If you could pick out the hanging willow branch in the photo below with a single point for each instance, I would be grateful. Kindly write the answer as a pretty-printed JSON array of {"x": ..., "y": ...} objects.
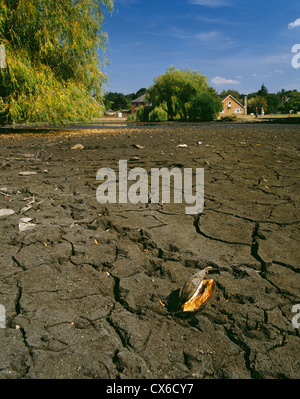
[{"x": 53, "y": 71}]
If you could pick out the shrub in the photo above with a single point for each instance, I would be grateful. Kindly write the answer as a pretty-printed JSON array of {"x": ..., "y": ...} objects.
[
  {"x": 131, "y": 118},
  {"x": 142, "y": 114},
  {"x": 228, "y": 118},
  {"x": 158, "y": 115},
  {"x": 259, "y": 102},
  {"x": 205, "y": 107}
]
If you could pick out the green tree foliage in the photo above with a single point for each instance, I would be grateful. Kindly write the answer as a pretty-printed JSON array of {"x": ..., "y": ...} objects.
[
  {"x": 234, "y": 93},
  {"x": 263, "y": 91},
  {"x": 205, "y": 107},
  {"x": 294, "y": 101},
  {"x": 140, "y": 92},
  {"x": 274, "y": 103},
  {"x": 174, "y": 90},
  {"x": 53, "y": 65},
  {"x": 158, "y": 115},
  {"x": 119, "y": 101},
  {"x": 282, "y": 102},
  {"x": 289, "y": 100},
  {"x": 116, "y": 101},
  {"x": 142, "y": 114},
  {"x": 259, "y": 102}
]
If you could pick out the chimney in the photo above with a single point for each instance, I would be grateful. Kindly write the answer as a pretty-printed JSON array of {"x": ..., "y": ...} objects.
[{"x": 245, "y": 104}]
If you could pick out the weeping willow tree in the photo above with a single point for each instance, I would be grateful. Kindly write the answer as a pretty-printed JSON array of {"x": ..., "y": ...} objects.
[
  {"x": 53, "y": 72},
  {"x": 174, "y": 90}
]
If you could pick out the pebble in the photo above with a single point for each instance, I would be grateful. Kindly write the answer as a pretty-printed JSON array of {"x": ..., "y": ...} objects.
[
  {"x": 27, "y": 173},
  {"x": 6, "y": 212},
  {"x": 77, "y": 147}
]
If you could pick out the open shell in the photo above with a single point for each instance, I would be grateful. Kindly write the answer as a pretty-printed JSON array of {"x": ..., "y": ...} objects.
[{"x": 196, "y": 291}]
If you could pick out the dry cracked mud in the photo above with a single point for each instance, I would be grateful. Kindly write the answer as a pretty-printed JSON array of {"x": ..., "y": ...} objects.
[{"x": 83, "y": 288}]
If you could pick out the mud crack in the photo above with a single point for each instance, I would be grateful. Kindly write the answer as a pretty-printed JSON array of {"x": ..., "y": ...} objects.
[
  {"x": 200, "y": 232},
  {"x": 255, "y": 248}
]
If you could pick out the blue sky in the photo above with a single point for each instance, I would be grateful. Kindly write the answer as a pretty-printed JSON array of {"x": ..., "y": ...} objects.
[{"x": 237, "y": 44}]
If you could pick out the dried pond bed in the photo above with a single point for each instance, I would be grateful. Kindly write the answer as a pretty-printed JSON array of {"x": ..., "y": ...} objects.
[{"x": 83, "y": 286}]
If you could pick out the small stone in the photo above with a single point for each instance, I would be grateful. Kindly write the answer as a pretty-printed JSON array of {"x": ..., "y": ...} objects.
[
  {"x": 25, "y": 224},
  {"x": 6, "y": 212},
  {"x": 27, "y": 173},
  {"x": 77, "y": 147}
]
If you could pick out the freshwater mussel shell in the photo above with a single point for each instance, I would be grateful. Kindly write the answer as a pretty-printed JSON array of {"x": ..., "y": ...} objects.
[{"x": 196, "y": 292}]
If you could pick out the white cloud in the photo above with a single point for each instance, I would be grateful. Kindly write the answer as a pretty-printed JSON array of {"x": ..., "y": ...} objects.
[
  {"x": 218, "y": 80},
  {"x": 219, "y": 21},
  {"x": 134, "y": 44},
  {"x": 212, "y": 3},
  {"x": 294, "y": 24},
  {"x": 215, "y": 39},
  {"x": 205, "y": 36}
]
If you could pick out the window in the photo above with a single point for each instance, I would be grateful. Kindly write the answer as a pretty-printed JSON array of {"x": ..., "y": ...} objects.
[{"x": 238, "y": 110}]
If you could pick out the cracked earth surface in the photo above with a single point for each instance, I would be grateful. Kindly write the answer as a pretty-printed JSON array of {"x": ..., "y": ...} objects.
[{"x": 83, "y": 288}]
